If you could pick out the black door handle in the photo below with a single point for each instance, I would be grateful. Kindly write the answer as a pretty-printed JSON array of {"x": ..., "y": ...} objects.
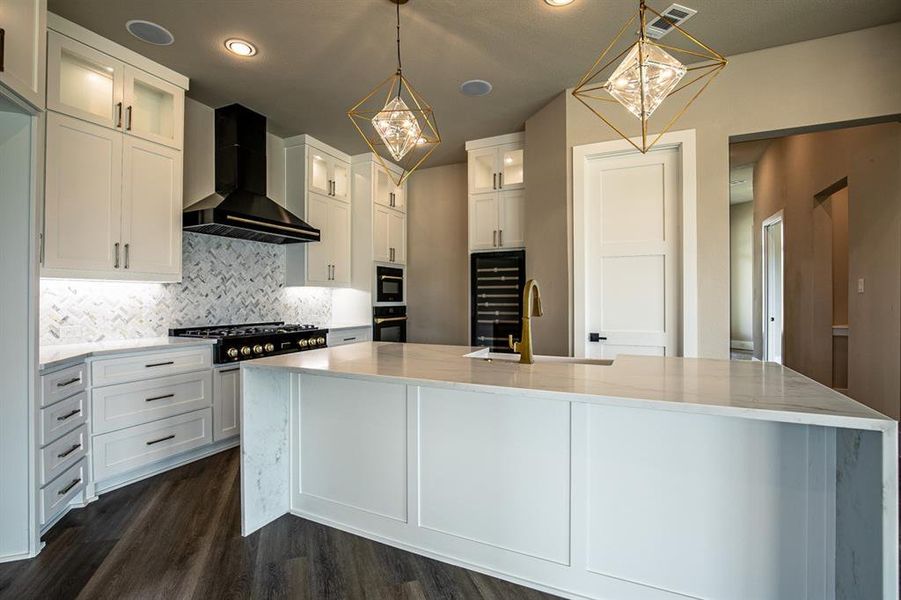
[{"x": 596, "y": 337}]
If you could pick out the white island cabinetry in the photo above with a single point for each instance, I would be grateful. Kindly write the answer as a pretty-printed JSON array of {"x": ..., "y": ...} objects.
[{"x": 651, "y": 478}]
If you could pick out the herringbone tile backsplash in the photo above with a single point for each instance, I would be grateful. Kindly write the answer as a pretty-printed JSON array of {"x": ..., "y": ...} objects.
[{"x": 224, "y": 281}]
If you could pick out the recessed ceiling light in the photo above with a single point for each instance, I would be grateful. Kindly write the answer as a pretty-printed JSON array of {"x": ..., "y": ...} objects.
[
  {"x": 475, "y": 87},
  {"x": 558, "y": 2},
  {"x": 149, "y": 32},
  {"x": 240, "y": 47}
]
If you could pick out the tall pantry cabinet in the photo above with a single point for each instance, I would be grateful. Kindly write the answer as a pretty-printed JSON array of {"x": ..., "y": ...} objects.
[{"x": 113, "y": 188}]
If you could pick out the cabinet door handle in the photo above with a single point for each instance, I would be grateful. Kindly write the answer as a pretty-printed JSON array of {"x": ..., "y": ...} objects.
[
  {"x": 500, "y": 238},
  {"x": 2, "y": 49},
  {"x": 69, "y": 415},
  {"x": 500, "y": 181},
  {"x": 69, "y": 451},
  {"x": 68, "y": 382},
  {"x": 494, "y": 181},
  {"x": 494, "y": 238},
  {"x": 66, "y": 489},
  {"x": 159, "y": 397},
  {"x": 116, "y": 263},
  {"x": 162, "y": 439},
  {"x": 118, "y": 114},
  {"x": 126, "y": 255},
  {"x": 128, "y": 119}
]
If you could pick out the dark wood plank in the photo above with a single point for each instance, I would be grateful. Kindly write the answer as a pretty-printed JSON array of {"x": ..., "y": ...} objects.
[{"x": 177, "y": 535}]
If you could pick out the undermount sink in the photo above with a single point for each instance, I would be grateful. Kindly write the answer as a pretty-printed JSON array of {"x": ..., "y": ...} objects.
[{"x": 486, "y": 355}]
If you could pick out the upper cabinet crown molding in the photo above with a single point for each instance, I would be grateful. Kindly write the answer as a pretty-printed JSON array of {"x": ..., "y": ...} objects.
[
  {"x": 98, "y": 42},
  {"x": 499, "y": 140},
  {"x": 24, "y": 23}
]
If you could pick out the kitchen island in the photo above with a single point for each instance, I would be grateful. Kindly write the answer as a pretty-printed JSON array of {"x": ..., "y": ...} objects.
[{"x": 650, "y": 478}]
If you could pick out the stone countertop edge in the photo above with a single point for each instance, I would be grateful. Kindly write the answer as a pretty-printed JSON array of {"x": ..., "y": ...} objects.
[{"x": 61, "y": 355}]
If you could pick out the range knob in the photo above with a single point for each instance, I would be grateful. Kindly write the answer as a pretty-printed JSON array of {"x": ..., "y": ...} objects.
[
  {"x": 232, "y": 352},
  {"x": 302, "y": 343},
  {"x": 320, "y": 341},
  {"x": 245, "y": 350},
  {"x": 269, "y": 347},
  {"x": 312, "y": 342},
  {"x": 258, "y": 349}
]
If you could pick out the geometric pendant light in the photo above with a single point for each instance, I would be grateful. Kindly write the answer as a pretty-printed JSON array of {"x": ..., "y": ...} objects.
[
  {"x": 395, "y": 120},
  {"x": 645, "y": 74}
]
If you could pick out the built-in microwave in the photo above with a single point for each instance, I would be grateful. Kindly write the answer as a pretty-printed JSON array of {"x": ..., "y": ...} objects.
[
  {"x": 389, "y": 323},
  {"x": 389, "y": 285}
]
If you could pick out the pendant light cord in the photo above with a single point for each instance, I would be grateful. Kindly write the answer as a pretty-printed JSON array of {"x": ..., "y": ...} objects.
[{"x": 399, "y": 69}]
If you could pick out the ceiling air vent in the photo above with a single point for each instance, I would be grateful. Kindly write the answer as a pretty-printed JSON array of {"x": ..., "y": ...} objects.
[{"x": 676, "y": 14}]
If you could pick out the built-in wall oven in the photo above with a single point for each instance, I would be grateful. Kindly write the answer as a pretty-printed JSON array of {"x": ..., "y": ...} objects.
[
  {"x": 389, "y": 285},
  {"x": 389, "y": 323}
]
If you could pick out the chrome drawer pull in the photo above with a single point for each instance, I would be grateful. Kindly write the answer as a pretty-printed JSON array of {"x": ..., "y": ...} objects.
[
  {"x": 69, "y": 415},
  {"x": 68, "y": 382},
  {"x": 66, "y": 489},
  {"x": 160, "y": 364},
  {"x": 160, "y": 397},
  {"x": 69, "y": 451},
  {"x": 162, "y": 439}
]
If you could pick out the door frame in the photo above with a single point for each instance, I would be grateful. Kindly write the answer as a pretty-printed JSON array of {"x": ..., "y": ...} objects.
[
  {"x": 685, "y": 142},
  {"x": 777, "y": 217}
]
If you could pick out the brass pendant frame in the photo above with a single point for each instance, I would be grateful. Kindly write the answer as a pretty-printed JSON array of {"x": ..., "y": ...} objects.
[{"x": 592, "y": 92}]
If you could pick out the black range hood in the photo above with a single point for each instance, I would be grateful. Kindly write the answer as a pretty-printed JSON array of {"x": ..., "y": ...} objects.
[{"x": 240, "y": 208}]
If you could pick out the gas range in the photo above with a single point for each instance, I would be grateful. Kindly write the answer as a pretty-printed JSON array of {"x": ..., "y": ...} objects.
[{"x": 254, "y": 340}]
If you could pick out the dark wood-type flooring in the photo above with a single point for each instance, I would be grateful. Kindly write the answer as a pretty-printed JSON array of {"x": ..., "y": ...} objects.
[{"x": 177, "y": 535}]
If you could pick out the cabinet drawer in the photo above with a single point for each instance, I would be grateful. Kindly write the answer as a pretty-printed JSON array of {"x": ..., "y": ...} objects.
[
  {"x": 149, "y": 364},
  {"x": 349, "y": 336},
  {"x": 63, "y": 384},
  {"x": 63, "y": 453},
  {"x": 126, "y": 404},
  {"x": 63, "y": 417},
  {"x": 57, "y": 495},
  {"x": 127, "y": 449}
]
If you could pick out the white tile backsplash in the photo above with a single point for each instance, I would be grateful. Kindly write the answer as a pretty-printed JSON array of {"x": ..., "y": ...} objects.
[{"x": 224, "y": 281}]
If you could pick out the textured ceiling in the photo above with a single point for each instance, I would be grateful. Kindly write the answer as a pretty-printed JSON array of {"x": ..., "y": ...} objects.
[{"x": 317, "y": 57}]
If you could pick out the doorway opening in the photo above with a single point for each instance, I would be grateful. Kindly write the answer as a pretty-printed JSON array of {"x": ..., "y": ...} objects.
[{"x": 773, "y": 310}]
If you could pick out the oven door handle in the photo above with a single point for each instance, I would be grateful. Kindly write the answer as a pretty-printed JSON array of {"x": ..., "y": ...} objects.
[
  {"x": 380, "y": 320},
  {"x": 391, "y": 277}
]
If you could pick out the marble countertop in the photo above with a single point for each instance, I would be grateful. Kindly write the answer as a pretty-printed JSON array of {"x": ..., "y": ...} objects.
[
  {"x": 750, "y": 389},
  {"x": 66, "y": 354}
]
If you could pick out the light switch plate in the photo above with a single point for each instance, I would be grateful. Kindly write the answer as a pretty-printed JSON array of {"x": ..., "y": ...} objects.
[{"x": 860, "y": 285}]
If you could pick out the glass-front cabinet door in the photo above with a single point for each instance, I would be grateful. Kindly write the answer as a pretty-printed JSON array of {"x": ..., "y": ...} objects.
[
  {"x": 483, "y": 170},
  {"x": 84, "y": 83},
  {"x": 511, "y": 173},
  {"x": 154, "y": 109},
  {"x": 320, "y": 181},
  {"x": 340, "y": 179}
]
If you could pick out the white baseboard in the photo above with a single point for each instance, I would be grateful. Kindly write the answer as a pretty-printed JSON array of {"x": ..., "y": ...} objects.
[{"x": 741, "y": 344}]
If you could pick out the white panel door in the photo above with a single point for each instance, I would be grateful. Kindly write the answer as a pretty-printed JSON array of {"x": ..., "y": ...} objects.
[
  {"x": 773, "y": 310},
  {"x": 380, "y": 239},
  {"x": 318, "y": 253},
  {"x": 84, "y": 83},
  {"x": 397, "y": 237},
  {"x": 24, "y": 24},
  {"x": 339, "y": 229},
  {"x": 511, "y": 226},
  {"x": 483, "y": 221},
  {"x": 154, "y": 109},
  {"x": 83, "y": 196},
  {"x": 632, "y": 300},
  {"x": 151, "y": 208},
  {"x": 226, "y": 403}
]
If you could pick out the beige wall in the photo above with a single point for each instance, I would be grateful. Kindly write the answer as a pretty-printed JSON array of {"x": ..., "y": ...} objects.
[
  {"x": 200, "y": 156},
  {"x": 832, "y": 79},
  {"x": 741, "y": 227},
  {"x": 438, "y": 256},
  {"x": 788, "y": 176}
]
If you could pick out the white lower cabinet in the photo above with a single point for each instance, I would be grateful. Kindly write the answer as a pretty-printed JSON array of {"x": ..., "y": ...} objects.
[
  {"x": 226, "y": 403},
  {"x": 128, "y": 449},
  {"x": 341, "y": 337},
  {"x": 58, "y": 456},
  {"x": 57, "y": 495}
]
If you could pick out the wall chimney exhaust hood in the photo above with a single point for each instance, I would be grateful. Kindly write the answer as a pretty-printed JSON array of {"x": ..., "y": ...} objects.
[{"x": 240, "y": 208}]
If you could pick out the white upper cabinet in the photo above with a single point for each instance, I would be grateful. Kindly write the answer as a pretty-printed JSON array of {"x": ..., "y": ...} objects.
[
  {"x": 114, "y": 163},
  {"x": 83, "y": 198},
  {"x": 84, "y": 82},
  {"x": 496, "y": 193},
  {"x": 318, "y": 188},
  {"x": 22, "y": 47},
  {"x": 92, "y": 85},
  {"x": 388, "y": 194},
  {"x": 154, "y": 109}
]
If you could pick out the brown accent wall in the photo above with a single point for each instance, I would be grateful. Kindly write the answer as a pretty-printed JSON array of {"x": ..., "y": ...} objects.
[
  {"x": 437, "y": 256},
  {"x": 788, "y": 176}
]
